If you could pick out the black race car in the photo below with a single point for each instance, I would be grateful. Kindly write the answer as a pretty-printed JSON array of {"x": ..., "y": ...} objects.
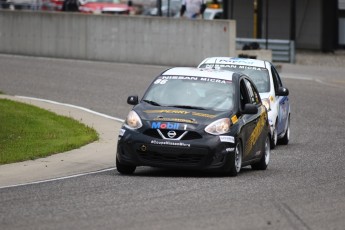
[{"x": 196, "y": 119}]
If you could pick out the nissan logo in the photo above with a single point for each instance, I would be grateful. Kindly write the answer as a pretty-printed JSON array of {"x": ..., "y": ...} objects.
[
  {"x": 143, "y": 148},
  {"x": 171, "y": 134}
]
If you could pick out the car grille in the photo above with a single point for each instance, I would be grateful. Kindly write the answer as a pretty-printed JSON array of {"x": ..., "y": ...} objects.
[
  {"x": 191, "y": 135},
  {"x": 177, "y": 156}
]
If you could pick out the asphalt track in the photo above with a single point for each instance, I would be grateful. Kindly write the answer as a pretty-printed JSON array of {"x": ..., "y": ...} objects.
[{"x": 303, "y": 188}]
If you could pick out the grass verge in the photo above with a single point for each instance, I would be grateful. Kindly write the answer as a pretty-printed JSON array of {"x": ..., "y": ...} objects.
[{"x": 28, "y": 132}]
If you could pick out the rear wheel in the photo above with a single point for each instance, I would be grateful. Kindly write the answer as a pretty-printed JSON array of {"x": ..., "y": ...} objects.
[
  {"x": 263, "y": 163},
  {"x": 236, "y": 161},
  {"x": 124, "y": 169},
  {"x": 285, "y": 140}
]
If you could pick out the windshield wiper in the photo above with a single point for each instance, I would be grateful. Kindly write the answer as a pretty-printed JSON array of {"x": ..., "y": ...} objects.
[
  {"x": 188, "y": 107},
  {"x": 152, "y": 102}
]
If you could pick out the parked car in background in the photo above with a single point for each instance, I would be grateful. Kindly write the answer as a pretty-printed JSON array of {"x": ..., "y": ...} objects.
[
  {"x": 52, "y": 5},
  {"x": 21, "y": 4},
  {"x": 169, "y": 8},
  {"x": 211, "y": 13},
  {"x": 200, "y": 119},
  {"x": 105, "y": 6},
  {"x": 272, "y": 92}
]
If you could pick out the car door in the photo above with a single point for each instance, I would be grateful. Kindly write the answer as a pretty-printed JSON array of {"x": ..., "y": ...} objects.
[
  {"x": 283, "y": 107},
  {"x": 249, "y": 133}
]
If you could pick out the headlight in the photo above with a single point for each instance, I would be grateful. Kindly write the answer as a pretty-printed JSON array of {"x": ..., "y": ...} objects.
[
  {"x": 266, "y": 103},
  {"x": 133, "y": 121},
  {"x": 219, "y": 127}
]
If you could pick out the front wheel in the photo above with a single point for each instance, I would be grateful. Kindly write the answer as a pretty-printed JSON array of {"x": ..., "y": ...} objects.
[
  {"x": 124, "y": 169},
  {"x": 263, "y": 163},
  {"x": 236, "y": 161}
]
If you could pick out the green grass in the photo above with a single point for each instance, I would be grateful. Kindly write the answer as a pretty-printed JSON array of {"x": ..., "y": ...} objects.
[{"x": 28, "y": 132}]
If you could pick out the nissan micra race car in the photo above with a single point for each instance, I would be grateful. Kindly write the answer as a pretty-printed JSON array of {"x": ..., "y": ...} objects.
[
  {"x": 273, "y": 94},
  {"x": 192, "y": 118}
]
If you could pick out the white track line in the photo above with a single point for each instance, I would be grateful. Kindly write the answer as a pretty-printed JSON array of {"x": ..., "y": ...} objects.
[
  {"x": 73, "y": 106},
  {"x": 60, "y": 178}
]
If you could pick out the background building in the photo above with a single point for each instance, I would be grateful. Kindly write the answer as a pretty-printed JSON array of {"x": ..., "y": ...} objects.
[{"x": 313, "y": 24}]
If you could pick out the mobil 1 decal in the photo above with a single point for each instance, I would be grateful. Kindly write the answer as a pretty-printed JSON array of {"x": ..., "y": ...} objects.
[{"x": 168, "y": 125}]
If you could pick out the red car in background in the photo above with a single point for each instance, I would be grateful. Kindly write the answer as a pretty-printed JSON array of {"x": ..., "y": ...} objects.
[
  {"x": 105, "y": 7},
  {"x": 52, "y": 5}
]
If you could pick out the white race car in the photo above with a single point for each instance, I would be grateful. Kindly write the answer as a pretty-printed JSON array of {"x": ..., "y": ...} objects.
[{"x": 270, "y": 87}]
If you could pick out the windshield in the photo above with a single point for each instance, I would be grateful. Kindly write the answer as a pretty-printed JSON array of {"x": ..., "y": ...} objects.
[
  {"x": 191, "y": 92},
  {"x": 259, "y": 76}
]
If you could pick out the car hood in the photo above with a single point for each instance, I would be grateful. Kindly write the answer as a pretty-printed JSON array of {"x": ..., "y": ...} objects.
[{"x": 178, "y": 115}]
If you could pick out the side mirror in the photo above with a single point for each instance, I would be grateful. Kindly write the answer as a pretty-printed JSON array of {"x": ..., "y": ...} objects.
[
  {"x": 282, "y": 91},
  {"x": 132, "y": 100},
  {"x": 250, "y": 109}
]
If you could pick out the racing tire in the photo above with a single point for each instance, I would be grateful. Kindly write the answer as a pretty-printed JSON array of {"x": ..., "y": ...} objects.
[
  {"x": 263, "y": 163},
  {"x": 236, "y": 161},
  {"x": 274, "y": 140},
  {"x": 124, "y": 169},
  {"x": 286, "y": 138}
]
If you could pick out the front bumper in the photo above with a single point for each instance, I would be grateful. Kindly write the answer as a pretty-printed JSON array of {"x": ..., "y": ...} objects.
[{"x": 207, "y": 152}]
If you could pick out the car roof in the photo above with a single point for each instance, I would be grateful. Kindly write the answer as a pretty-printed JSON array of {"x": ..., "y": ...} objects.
[
  {"x": 234, "y": 61},
  {"x": 195, "y": 72}
]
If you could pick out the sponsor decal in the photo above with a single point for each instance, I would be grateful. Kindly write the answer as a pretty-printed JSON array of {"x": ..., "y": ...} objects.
[
  {"x": 214, "y": 80},
  {"x": 237, "y": 60},
  {"x": 170, "y": 143},
  {"x": 168, "y": 125},
  {"x": 160, "y": 81},
  {"x": 181, "y": 112},
  {"x": 179, "y": 78},
  {"x": 192, "y": 121},
  {"x": 122, "y": 132},
  {"x": 203, "y": 115},
  {"x": 254, "y": 136},
  {"x": 164, "y": 79},
  {"x": 230, "y": 149},
  {"x": 241, "y": 67},
  {"x": 234, "y": 119},
  {"x": 229, "y": 139}
]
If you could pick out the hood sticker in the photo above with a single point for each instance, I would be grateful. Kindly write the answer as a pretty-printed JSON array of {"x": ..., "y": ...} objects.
[
  {"x": 192, "y": 121},
  {"x": 181, "y": 112}
]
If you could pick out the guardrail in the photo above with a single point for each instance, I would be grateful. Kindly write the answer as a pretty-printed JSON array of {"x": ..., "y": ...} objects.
[{"x": 282, "y": 50}]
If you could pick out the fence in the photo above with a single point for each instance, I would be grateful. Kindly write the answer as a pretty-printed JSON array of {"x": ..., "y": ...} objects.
[{"x": 282, "y": 50}]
